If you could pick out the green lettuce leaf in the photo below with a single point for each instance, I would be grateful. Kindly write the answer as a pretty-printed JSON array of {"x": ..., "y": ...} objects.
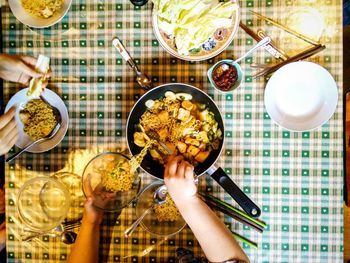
[{"x": 192, "y": 22}]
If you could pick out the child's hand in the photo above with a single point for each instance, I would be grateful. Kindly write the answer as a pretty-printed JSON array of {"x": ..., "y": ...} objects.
[{"x": 179, "y": 179}]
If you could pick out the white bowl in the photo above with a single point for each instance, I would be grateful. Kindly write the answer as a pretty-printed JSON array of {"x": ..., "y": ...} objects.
[
  {"x": 19, "y": 100},
  {"x": 23, "y": 16},
  {"x": 206, "y": 55},
  {"x": 301, "y": 96}
]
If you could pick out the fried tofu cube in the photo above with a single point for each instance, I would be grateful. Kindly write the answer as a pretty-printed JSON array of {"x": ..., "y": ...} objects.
[
  {"x": 192, "y": 141},
  {"x": 202, "y": 156},
  {"x": 187, "y": 105},
  {"x": 203, "y": 136},
  {"x": 193, "y": 150},
  {"x": 181, "y": 146},
  {"x": 163, "y": 116}
]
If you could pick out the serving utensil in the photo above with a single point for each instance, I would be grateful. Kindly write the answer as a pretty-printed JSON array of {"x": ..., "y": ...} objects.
[
  {"x": 261, "y": 43},
  {"x": 271, "y": 47},
  {"x": 56, "y": 112},
  {"x": 155, "y": 136},
  {"x": 68, "y": 237},
  {"x": 142, "y": 79},
  {"x": 158, "y": 198}
]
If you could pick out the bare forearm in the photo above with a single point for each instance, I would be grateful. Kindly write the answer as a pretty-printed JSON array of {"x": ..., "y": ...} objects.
[
  {"x": 201, "y": 219},
  {"x": 85, "y": 249}
]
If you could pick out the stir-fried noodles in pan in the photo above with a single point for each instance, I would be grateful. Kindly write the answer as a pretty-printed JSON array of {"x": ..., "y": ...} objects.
[{"x": 186, "y": 128}]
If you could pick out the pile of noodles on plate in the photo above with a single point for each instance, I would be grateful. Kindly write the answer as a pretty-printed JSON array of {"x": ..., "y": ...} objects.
[
  {"x": 166, "y": 211},
  {"x": 38, "y": 119},
  {"x": 42, "y": 8}
]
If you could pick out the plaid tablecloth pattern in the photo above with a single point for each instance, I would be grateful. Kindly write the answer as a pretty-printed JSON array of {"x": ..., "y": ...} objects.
[{"x": 296, "y": 178}]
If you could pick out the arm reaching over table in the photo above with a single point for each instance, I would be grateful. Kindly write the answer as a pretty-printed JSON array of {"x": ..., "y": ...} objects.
[
  {"x": 215, "y": 239},
  {"x": 85, "y": 249},
  {"x": 18, "y": 68},
  {"x": 21, "y": 69}
]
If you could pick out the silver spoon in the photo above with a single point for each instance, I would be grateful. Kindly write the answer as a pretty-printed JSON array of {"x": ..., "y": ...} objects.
[
  {"x": 56, "y": 112},
  {"x": 142, "y": 79},
  {"x": 261, "y": 43},
  {"x": 225, "y": 65},
  {"x": 67, "y": 237},
  {"x": 158, "y": 198}
]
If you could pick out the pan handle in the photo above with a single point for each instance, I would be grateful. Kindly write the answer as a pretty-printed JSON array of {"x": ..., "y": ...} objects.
[{"x": 219, "y": 175}]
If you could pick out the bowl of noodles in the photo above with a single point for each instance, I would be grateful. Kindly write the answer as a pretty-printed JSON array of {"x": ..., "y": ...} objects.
[
  {"x": 39, "y": 13},
  {"x": 164, "y": 220},
  {"x": 35, "y": 119},
  {"x": 111, "y": 182}
]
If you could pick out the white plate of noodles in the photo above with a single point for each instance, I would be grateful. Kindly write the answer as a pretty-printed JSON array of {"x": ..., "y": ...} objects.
[
  {"x": 20, "y": 100},
  {"x": 39, "y": 13}
]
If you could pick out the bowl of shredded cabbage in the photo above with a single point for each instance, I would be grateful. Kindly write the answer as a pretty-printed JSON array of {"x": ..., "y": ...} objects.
[{"x": 195, "y": 30}]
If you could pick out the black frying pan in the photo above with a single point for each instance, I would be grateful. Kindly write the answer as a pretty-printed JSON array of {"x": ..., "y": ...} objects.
[{"x": 157, "y": 170}]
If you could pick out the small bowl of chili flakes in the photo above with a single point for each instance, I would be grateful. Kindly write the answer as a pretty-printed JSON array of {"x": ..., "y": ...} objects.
[{"x": 225, "y": 75}]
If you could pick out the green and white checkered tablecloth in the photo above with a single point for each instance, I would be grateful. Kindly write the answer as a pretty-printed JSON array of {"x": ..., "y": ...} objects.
[{"x": 296, "y": 178}]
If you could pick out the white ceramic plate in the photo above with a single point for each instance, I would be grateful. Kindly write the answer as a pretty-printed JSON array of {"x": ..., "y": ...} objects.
[
  {"x": 23, "y": 16},
  {"x": 301, "y": 96},
  {"x": 19, "y": 100}
]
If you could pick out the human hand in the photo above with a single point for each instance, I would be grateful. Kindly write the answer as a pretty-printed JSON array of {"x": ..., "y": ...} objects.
[
  {"x": 8, "y": 131},
  {"x": 101, "y": 197},
  {"x": 21, "y": 69},
  {"x": 92, "y": 216},
  {"x": 179, "y": 179}
]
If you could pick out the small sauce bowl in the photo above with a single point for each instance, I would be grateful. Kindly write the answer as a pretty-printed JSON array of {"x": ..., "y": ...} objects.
[{"x": 225, "y": 75}]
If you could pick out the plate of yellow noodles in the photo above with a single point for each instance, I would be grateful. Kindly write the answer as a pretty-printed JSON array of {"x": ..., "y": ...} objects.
[
  {"x": 35, "y": 119},
  {"x": 39, "y": 13}
]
